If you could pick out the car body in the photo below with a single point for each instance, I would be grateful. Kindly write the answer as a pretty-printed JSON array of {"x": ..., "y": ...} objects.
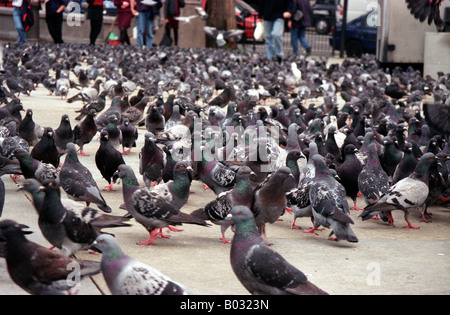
[
  {"x": 360, "y": 35},
  {"x": 355, "y": 8}
]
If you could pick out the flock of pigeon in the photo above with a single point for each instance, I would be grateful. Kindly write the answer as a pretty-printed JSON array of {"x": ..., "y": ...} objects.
[{"x": 265, "y": 137}]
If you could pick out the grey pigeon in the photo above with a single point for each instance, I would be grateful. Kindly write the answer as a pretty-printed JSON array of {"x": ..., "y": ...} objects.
[
  {"x": 78, "y": 182},
  {"x": 154, "y": 121},
  {"x": 68, "y": 230},
  {"x": 260, "y": 269},
  {"x": 407, "y": 194},
  {"x": 348, "y": 173},
  {"x": 373, "y": 182},
  {"x": 108, "y": 159},
  {"x": 41, "y": 271},
  {"x": 32, "y": 168},
  {"x": 2, "y": 196},
  {"x": 329, "y": 202},
  {"x": 85, "y": 131},
  {"x": 125, "y": 275},
  {"x": 97, "y": 104},
  {"x": 177, "y": 190},
  {"x": 406, "y": 165},
  {"x": 45, "y": 150},
  {"x": 150, "y": 209}
]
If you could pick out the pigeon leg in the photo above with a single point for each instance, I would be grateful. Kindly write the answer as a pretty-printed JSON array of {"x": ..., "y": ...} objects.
[
  {"x": 205, "y": 187},
  {"x": 289, "y": 210},
  {"x": 109, "y": 187},
  {"x": 153, "y": 234},
  {"x": 390, "y": 218},
  {"x": 409, "y": 225},
  {"x": 82, "y": 152},
  {"x": 174, "y": 229},
  {"x": 160, "y": 234},
  {"x": 293, "y": 225},
  {"x": 312, "y": 230},
  {"x": 224, "y": 240},
  {"x": 355, "y": 207}
]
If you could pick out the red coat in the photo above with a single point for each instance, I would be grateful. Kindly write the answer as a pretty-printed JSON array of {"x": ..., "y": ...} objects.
[{"x": 124, "y": 15}]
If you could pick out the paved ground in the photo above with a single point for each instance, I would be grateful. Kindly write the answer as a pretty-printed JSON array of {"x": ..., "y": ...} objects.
[{"x": 387, "y": 260}]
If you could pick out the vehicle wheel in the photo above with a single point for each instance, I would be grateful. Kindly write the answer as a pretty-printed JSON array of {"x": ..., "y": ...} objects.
[
  {"x": 322, "y": 27},
  {"x": 354, "y": 48}
]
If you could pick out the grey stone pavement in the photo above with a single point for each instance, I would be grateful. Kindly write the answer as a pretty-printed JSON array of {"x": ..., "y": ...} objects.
[{"x": 387, "y": 260}]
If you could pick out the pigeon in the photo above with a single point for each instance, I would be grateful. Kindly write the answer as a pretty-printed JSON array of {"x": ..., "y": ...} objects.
[
  {"x": 108, "y": 159},
  {"x": 69, "y": 230},
  {"x": 62, "y": 87},
  {"x": 29, "y": 129},
  {"x": 78, "y": 182},
  {"x": 150, "y": 209},
  {"x": 426, "y": 10},
  {"x": 260, "y": 269},
  {"x": 406, "y": 165},
  {"x": 224, "y": 98},
  {"x": 407, "y": 194},
  {"x": 270, "y": 198},
  {"x": 125, "y": 275},
  {"x": 176, "y": 191},
  {"x": 329, "y": 203},
  {"x": 298, "y": 203},
  {"x": 63, "y": 134},
  {"x": 186, "y": 19},
  {"x": 217, "y": 176},
  {"x": 151, "y": 161},
  {"x": 437, "y": 116},
  {"x": 85, "y": 131},
  {"x": 373, "y": 182},
  {"x": 32, "y": 168},
  {"x": 155, "y": 121},
  {"x": 45, "y": 150},
  {"x": 98, "y": 104},
  {"x": 2, "y": 196},
  {"x": 114, "y": 132},
  {"x": 136, "y": 112},
  {"x": 36, "y": 269},
  {"x": 221, "y": 36},
  {"x": 201, "y": 13},
  {"x": 86, "y": 94},
  {"x": 218, "y": 209},
  {"x": 9, "y": 166},
  {"x": 129, "y": 135},
  {"x": 348, "y": 173},
  {"x": 391, "y": 157}
]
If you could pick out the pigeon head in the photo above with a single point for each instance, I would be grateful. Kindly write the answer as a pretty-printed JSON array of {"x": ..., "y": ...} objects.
[
  {"x": 350, "y": 149},
  {"x": 108, "y": 246},
  {"x": 104, "y": 136},
  {"x": 182, "y": 168},
  {"x": 31, "y": 185},
  {"x": 29, "y": 113},
  {"x": 50, "y": 185},
  {"x": 320, "y": 165},
  {"x": 10, "y": 228},
  {"x": 425, "y": 162},
  {"x": 240, "y": 214}
]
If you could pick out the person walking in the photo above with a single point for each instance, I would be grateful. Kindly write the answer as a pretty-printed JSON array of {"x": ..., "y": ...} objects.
[
  {"x": 272, "y": 14},
  {"x": 54, "y": 18},
  {"x": 124, "y": 17},
  {"x": 301, "y": 13},
  {"x": 22, "y": 35},
  {"x": 145, "y": 19},
  {"x": 171, "y": 11},
  {"x": 95, "y": 14}
]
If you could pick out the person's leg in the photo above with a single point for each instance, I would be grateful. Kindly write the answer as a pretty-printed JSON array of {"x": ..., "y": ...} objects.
[
  {"x": 302, "y": 37},
  {"x": 96, "y": 27},
  {"x": 270, "y": 50},
  {"x": 294, "y": 40},
  {"x": 58, "y": 20},
  {"x": 22, "y": 35},
  {"x": 149, "y": 32},
  {"x": 140, "y": 25},
  {"x": 50, "y": 20},
  {"x": 175, "y": 36},
  {"x": 277, "y": 35}
]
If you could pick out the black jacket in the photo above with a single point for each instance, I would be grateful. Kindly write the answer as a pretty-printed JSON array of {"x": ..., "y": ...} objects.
[
  {"x": 271, "y": 10},
  {"x": 305, "y": 7}
]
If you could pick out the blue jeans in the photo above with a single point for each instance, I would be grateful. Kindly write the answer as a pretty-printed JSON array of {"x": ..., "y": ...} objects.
[
  {"x": 18, "y": 24},
  {"x": 143, "y": 23},
  {"x": 298, "y": 34},
  {"x": 273, "y": 34}
]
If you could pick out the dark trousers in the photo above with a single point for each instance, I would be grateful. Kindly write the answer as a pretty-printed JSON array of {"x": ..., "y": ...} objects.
[
  {"x": 175, "y": 34},
  {"x": 124, "y": 39},
  {"x": 54, "y": 24},
  {"x": 96, "y": 28}
]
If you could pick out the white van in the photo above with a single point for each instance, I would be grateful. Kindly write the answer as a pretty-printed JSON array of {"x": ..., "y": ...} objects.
[{"x": 355, "y": 8}]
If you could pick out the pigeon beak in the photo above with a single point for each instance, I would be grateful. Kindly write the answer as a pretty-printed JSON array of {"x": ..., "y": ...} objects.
[
  {"x": 189, "y": 168},
  {"x": 252, "y": 173},
  {"x": 229, "y": 217}
]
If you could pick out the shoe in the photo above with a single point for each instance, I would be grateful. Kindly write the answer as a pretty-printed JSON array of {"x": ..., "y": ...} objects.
[
  {"x": 308, "y": 51},
  {"x": 279, "y": 59}
]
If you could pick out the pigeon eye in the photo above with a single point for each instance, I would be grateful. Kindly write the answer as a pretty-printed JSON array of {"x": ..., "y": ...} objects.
[
  {"x": 102, "y": 241},
  {"x": 239, "y": 213}
]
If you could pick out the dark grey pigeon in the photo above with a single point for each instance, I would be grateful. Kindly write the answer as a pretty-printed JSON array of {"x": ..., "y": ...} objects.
[
  {"x": 260, "y": 269},
  {"x": 407, "y": 194},
  {"x": 155, "y": 121},
  {"x": 406, "y": 165},
  {"x": 242, "y": 194},
  {"x": 29, "y": 129},
  {"x": 45, "y": 150},
  {"x": 85, "y": 131},
  {"x": 41, "y": 271},
  {"x": 151, "y": 161},
  {"x": 68, "y": 230},
  {"x": 32, "y": 168},
  {"x": 63, "y": 134},
  {"x": 2, "y": 196},
  {"x": 125, "y": 275},
  {"x": 298, "y": 203},
  {"x": 129, "y": 135},
  {"x": 150, "y": 209},
  {"x": 78, "y": 182},
  {"x": 348, "y": 173},
  {"x": 270, "y": 198},
  {"x": 108, "y": 159},
  {"x": 329, "y": 202}
]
